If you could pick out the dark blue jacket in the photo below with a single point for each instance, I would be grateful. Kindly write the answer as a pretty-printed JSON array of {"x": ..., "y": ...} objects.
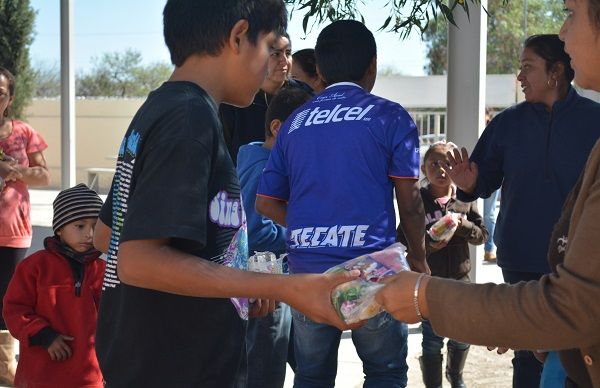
[
  {"x": 263, "y": 234},
  {"x": 537, "y": 157}
]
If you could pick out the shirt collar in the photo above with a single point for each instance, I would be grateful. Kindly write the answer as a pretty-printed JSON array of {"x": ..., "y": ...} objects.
[{"x": 344, "y": 84}]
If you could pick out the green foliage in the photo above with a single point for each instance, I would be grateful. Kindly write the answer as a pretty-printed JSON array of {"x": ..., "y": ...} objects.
[
  {"x": 16, "y": 35},
  {"x": 121, "y": 75},
  {"x": 404, "y": 15},
  {"x": 46, "y": 81},
  {"x": 506, "y": 34}
]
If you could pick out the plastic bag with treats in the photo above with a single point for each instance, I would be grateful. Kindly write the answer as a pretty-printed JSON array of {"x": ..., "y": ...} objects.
[
  {"x": 266, "y": 262},
  {"x": 354, "y": 301},
  {"x": 444, "y": 228}
]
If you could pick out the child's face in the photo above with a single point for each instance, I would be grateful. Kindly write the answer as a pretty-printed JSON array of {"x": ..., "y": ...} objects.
[
  {"x": 435, "y": 166},
  {"x": 78, "y": 234}
]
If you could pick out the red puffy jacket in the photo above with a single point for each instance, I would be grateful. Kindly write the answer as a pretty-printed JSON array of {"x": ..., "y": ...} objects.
[{"x": 42, "y": 293}]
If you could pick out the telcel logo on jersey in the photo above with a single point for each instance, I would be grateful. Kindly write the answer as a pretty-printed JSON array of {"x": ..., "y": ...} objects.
[{"x": 335, "y": 115}]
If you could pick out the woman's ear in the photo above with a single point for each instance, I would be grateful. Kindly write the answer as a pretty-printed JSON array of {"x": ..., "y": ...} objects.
[
  {"x": 558, "y": 71},
  {"x": 238, "y": 33},
  {"x": 423, "y": 167}
]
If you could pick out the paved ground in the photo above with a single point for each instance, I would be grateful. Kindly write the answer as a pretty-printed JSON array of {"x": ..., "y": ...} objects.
[{"x": 484, "y": 369}]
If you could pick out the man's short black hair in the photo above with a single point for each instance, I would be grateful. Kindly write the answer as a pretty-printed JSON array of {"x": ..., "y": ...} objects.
[
  {"x": 203, "y": 26},
  {"x": 344, "y": 51},
  {"x": 286, "y": 101}
]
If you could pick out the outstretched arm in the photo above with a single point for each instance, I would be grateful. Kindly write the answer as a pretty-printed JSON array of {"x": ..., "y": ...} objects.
[{"x": 153, "y": 264}]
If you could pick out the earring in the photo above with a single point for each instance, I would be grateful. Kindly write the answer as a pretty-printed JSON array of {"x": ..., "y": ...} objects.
[{"x": 555, "y": 83}]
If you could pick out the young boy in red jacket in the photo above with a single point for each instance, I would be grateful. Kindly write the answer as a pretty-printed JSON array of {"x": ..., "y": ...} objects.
[{"x": 51, "y": 304}]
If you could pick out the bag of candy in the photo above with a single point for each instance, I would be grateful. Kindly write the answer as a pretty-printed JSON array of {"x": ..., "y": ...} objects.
[
  {"x": 266, "y": 262},
  {"x": 444, "y": 228},
  {"x": 355, "y": 300}
]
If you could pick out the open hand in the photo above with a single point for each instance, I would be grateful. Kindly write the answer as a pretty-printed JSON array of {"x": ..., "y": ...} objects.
[
  {"x": 462, "y": 171},
  {"x": 59, "y": 350}
]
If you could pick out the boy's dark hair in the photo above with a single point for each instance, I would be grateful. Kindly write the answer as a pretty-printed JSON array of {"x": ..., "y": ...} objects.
[
  {"x": 552, "y": 50},
  {"x": 203, "y": 26},
  {"x": 344, "y": 51},
  {"x": 286, "y": 101},
  {"x": 305, "y": 58}
]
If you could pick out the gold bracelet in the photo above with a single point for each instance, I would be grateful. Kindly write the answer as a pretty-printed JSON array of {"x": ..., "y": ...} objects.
[{"x": 416, "y": 297}]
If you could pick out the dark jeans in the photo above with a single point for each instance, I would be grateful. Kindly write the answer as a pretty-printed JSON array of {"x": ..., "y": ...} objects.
[
  {"x": 9, "y": 258},
  {"x": 380, "y": 344},
  {"x": 432, "y": 344},
  {"x": 267, "y": 350},
  {"x": 527, "y": 370}
]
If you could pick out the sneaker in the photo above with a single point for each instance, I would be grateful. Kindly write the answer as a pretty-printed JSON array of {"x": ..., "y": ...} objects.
[{"x": 489, "y": 257}]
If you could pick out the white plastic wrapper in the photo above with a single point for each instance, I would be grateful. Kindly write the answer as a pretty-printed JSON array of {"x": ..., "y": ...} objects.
[
  {"x": 444, "y": 228},
  {"x": 265, "y": 262},
  {"x": 354, "y": 301}
]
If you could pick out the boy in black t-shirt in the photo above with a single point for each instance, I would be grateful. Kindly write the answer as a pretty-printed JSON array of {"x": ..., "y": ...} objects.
[{"x": 174, "y": 215}]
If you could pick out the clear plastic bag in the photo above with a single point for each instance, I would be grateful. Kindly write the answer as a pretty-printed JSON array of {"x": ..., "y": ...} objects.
[
  {"x": 444, "y": 228},
  {"x": 355, "y": 300},
  {"x": 265, "y": 262}
]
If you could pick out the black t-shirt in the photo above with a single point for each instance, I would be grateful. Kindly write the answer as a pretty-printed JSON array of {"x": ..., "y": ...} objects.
[{"x": 174, "y": 179}]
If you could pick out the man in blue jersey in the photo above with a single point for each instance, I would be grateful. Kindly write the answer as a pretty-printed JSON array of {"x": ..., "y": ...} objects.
[{"x": 330, "y": 179}]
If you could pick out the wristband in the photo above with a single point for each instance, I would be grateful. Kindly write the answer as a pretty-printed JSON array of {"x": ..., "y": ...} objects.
[{"x": 416, "y": 297}]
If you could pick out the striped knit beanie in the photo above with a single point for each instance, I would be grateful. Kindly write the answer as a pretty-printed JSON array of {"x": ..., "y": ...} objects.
[{"x": 74, "y": 204}]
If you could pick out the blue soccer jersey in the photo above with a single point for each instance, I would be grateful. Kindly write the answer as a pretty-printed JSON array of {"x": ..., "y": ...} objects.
[{"x": 333, "y": 163}]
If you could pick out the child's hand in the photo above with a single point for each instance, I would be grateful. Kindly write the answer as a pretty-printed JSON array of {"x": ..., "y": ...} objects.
[
  {"x": 261, "y": 308},
  {"x": 59, "y": 350},
  {"x": 437, "y": 245}
]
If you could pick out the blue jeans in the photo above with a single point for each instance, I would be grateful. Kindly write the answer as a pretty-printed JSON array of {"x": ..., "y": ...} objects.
[
  {"x": 490, "y": 212},
  {"x": 380, "y": 344},
  {"x": 527, "y": 370},
  {"x": 553, "y": 374},
  {"x": 432, "y": 343},
  {"x": 267, "y": 342}
]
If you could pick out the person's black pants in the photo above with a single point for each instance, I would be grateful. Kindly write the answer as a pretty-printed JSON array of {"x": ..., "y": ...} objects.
[
  {"x": 9, "y": 258},
  {"x": 527, "y": 370}
]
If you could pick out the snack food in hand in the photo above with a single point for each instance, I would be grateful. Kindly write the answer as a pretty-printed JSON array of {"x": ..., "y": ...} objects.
[
  {"x": 355, "y": 300},
  {"x": 265, "y": 262},
  {"x": 444, "y": 228}
]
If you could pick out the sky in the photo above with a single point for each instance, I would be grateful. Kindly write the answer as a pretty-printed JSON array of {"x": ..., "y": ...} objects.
[{"x": 117, "y": 25}]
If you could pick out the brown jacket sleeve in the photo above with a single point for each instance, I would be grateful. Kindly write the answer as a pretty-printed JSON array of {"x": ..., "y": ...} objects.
[{"x": 561, "y": 311}]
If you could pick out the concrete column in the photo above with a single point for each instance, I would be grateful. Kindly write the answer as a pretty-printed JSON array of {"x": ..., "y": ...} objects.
[
  {"x": 466, "y": 85},
  {"x": 67, "y": 95}
]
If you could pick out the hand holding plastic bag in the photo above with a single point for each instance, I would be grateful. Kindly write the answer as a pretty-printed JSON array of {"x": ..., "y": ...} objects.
[
  {"x": 444, "y": 228},
  {"x": 354, "y": 301}
]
